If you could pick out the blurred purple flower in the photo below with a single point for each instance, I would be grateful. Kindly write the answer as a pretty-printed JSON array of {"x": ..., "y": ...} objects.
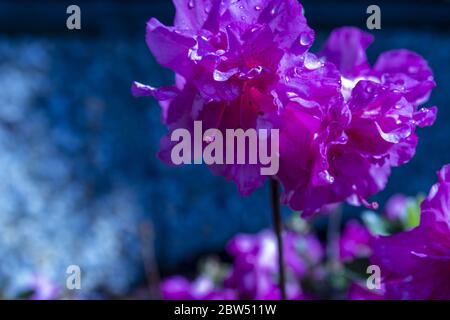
[
  {"x": 254, "y": 272},
  {"x": 415, "y": 264},
  {"x": 43, "y": 288},
  {"x": 354, "y": 242},
  {"x": 396, "y": 207},
  {"x": 203, "y": 288},
  {"x": 359, "y": 292}
]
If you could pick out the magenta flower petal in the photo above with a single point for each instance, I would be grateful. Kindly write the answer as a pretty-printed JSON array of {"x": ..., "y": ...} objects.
[
  {"x": 355, "y": 241},
  {"x": 176, "y": 288},
  {"x": 191, "y": 14},
  {"x": 160, "y": 94},
  {"x": 416, "y": 263},
  {"x": 170, "y": 48},
  {"x": 360, "y": 292},
  {"x": 407, "y": 72},
  {"x": 346, "y": 48}
]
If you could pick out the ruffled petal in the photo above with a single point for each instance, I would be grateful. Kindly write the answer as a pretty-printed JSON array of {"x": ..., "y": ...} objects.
[
  {"x": 170, "y": 48},
  {"x": 161, "y": 94},
  {"x": 346, "y": 48},
  {"x": 407, "y": 72}
]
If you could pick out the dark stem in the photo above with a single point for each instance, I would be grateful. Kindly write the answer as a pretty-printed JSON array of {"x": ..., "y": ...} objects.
[
  {"x": 146, "y": 233},
  {"x": 333, "y": 250},
  {"x": 277, "y": 225},
  {"x": 333, "y": 235}
]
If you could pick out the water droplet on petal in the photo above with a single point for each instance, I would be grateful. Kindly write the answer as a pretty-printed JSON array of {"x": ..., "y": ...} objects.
[
  {"x": 257, "y": 8},
  {"x": 305, "y": 39},
  {"x": 312, "y": 62},
  {"x": 254, "y": 72},
  {"x": 224, "y": 75},
  {"x": 291, "y": 94},
  {"x": 326, "y": 177},
  {"x": 191, "y": 4}
]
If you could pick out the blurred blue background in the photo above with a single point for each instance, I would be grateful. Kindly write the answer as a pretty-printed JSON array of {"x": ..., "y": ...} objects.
[{"x": 79, "y": 179}]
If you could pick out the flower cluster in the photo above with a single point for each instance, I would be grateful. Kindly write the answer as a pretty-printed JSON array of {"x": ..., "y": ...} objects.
[
  {"x": 410, "y": 260},
  {"x": 254, "y": 273},
  {"x": 343, "y": 124}
]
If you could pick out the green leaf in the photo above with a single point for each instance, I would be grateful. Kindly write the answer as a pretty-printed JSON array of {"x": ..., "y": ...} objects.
[
  {"x": 375, "y": 223},
  {"x": 412, "y": 219}
]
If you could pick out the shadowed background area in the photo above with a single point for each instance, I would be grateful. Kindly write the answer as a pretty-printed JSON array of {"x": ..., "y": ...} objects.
[{"x": 79, "y": 180}]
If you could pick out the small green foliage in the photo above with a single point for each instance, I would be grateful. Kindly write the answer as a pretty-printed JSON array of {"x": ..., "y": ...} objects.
[{"x": 375, "y": 223}]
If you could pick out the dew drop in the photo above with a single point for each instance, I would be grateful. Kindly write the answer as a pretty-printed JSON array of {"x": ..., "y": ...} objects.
[
  {"x": 326, "y": 177},
  {"x": 312, "y": 62},
  {"x": 305, "y": 39},
  {"x": 257, "y": 8},
  {"x": 291, "y": 94},
  {"x": 191, "y": 4},
  {"x": 223, "y": 75},
  {"x": 254, "y": 72}
]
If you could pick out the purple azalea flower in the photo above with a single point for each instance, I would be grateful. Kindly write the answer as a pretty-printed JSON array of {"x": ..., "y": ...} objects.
[
  {"x": 43, "y": 288},
  {"x": 342, "y": 124},
  {"x": 354, "y": 241},
  {"x": 415, "y": 264}
]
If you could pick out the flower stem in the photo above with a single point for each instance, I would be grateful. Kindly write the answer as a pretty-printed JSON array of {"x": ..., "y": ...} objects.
[
  {"x": 333, "y": 252},
  {"x": 277, "y": 225},
  {"x": 333, "y": 234}
]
